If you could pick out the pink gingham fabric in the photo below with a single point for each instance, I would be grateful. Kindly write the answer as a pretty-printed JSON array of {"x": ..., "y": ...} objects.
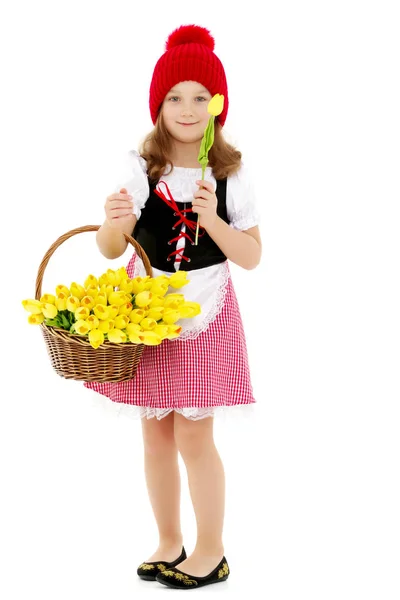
[{"x": 209, "y": 371}]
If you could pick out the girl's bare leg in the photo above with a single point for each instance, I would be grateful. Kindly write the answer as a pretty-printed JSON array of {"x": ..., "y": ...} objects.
[
  {"x": 206, "y": 479},
  {"x": 163, "y": 484}
]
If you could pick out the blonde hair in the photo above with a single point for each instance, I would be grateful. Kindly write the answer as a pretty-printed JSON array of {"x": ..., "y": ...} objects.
[{"x": 223, "y": 158}]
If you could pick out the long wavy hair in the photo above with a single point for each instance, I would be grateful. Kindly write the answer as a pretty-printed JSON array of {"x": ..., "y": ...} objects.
[{"x": 223, "y": 158}]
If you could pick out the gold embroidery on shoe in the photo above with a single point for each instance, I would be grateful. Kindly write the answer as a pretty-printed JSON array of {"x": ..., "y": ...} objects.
[
  {"x": 180, "y": 577},
  {"x": 146, "y": 567},
  {"x": 224, "y": 571},
  {"x": 161, "y": 567}
]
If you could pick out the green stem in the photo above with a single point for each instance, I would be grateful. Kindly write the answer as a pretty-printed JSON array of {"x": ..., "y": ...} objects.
[{"x": 203, "y": 170}]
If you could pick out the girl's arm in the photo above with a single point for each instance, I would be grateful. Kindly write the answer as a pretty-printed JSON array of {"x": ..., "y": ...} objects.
[
  {"x": 111, "y": 240},
  {"x": 241, "y": 247}
]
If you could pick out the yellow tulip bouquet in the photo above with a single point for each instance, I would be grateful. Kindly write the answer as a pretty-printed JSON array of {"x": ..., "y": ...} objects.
[{"x": 116, "y": 308}]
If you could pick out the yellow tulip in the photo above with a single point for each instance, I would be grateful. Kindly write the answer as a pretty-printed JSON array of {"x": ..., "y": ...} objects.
[
  {"x": 171, "y": 316},
  {"x": 139, "y": 284},
  {"x": 73, "y": 303},
  {"x": 121, "y": 321},
  {"x": 148, "y": 324},
  {"x": 173, "y": 331},
  {"x": 62, "y": 289},
  {"x": 122, "y": 273},
  {"x": 173, "y": 300},
  {"x": 96, "y": 338},
  {"x": 143, "y": 299},
  {"x": 48, "y": 299},
  {"x": 81, "y": 327},
  {"x": 161, "y": 330},
  {"x": 35, "y": 319},
  {"x": 116, "y": 336},
  {"x": 113, "y": 310},
  {"x": 103, "y": 280},
  {"x": 156, "y": 301},
  {"x": 178, "y": 279},
  {"x": 159, "y": 285},
  {"x": 87, "y": 301},
  {"x": 149, "y": 338},
  {"x": 106, "y": 326},
  {"x": 136, "y": 315},
  {"x": 92, "y": 291},
  {"x": 106, "y": 289},
  {"x": 101, "y": 299},
  {"x": 155, "y": 312},
  {"x": 81, "y": 313},
  {"x": 61, "y": 301},
  {"x": 125, "y": 309},
  {"x": 216, "y": 105},
  {"x": 133, "y": 327},
  {"x": 189, "y": 310},
  {"x": 134, "y": 337},
  {"x": 49, "y": 310},
  {"x": 101, "y": 312},
  {"x": 33, "y": 306},
  {"x": 133, "y": 330},
  {"x": 77, "y": 290},
  {"x": 126, "y": 285},
  {"x": 118, "y": 298},
  {"x": 92, "y": 321},
  {"x": 90, "y": 280}
]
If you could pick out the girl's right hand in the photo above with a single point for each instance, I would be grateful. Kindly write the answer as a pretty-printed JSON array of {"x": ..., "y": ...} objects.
[{"x": 119, "y": 209}]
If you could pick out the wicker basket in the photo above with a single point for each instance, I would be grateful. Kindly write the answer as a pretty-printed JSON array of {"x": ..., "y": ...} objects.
[{"x": 71, "y": 355}]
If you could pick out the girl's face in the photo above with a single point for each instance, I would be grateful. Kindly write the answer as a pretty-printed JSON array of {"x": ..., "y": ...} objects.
[{"x": 185, "y": 111}]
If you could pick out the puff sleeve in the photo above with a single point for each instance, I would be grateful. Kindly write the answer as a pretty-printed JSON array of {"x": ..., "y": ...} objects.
[
  {"x": 134, "y": 179},
  {"x": 241, "y": 203}
]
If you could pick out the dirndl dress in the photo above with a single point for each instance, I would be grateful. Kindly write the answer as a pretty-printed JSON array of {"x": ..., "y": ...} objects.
[{"x": 205, "y": 371}]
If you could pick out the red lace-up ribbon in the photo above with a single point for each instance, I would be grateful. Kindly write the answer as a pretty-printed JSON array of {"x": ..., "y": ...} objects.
[{"x": 190, "y": 225}]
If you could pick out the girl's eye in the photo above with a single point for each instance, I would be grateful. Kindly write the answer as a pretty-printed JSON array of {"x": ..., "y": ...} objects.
[
  {"x": 200, "y": 98},
  {"x": 173, "y": 97}
]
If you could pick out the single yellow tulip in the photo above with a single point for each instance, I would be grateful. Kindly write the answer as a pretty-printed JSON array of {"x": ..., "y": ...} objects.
[
  {"x": 156, "y": 301},
  {"x": 73, "y": 303},
  {"x": 81, "y": 327},
  {"x": 48, "y": 299},
  {"x": 101, "y": 299},
  {"x": 101, "y": 312},
  {"x": 126, "y": 285},
  {"x": 148, "y": 324},
  {"x": 61, "y": 301},
  {"x": 33, "y": 306},
  {"x": 49, "y": 310},
  {"x": 136, "y": 315},
  {"x": 116, "y": 336},
  {"x": 216, "y": 105},
  {"x": 133, "y": 334},
  {"x": 155, "y": 313},
  {"x": 87, "y": 301},
  {"x": 189, "y": 310},
  {"x": 161, "y": 330},
  {"x": 35, "y": 319},
  {"x": 82, "y": 313},
  {"x": 133, "y": 327},
  {"x": 92, "y": 321},
  {"x": 92, "y": 291},
  {"x": 118, "y": 298},
  {"x": 171, "y": 316},
  {"x": 139, "y": 284},
  {"x": 121, "y": 321},
  {"x": 178, "y": 280},
  {"x": 96, "y": 338},
  {"x": 149, "y": 338},
  {"x": 125, "y": 309},
  {"x": 106, "y": 325},
  {"x": 122, "y": 273},
  {"x": 62, "y": 289},
  {"x": 90, "y": 280},
  {"x": 143, "y": 299},
  {"x": 77, "y": 290},
  {"x": 106, "y": 289},
  {"x": 113, "y": 310}
]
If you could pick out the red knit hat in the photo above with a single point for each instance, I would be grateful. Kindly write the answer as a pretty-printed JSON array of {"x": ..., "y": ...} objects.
[{"x": 188, "y": 56}]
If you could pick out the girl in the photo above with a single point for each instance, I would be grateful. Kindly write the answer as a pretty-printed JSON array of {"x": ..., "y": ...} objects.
[{"x": 185, "y": 380}]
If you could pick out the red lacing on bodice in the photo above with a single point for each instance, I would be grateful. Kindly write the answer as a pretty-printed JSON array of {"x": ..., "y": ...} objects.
[{"x": 190, "y": 225}]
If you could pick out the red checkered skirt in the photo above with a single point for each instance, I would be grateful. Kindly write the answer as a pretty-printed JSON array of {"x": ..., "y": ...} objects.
[{"x": 211, "y": 370}]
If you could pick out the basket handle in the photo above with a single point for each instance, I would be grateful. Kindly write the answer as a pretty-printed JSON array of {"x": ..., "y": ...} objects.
[{"x": 139, "y": 250}]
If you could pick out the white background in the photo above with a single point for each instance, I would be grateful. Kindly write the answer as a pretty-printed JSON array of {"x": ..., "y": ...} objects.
[{"x": 313, "y": 480}]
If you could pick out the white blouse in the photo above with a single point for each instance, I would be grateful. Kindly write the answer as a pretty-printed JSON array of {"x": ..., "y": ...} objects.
[{"x": 208, "y": 285}]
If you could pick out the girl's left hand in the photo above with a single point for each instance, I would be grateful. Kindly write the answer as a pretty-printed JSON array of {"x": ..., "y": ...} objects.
[{"x": 205, "y": 204}]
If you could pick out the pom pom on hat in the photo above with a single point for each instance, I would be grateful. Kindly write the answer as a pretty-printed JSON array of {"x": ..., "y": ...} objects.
[{"x": 188, "y": 56}]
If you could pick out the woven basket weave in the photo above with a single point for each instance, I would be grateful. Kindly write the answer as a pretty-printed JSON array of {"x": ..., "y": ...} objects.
[{"x": 71, "y": 355}]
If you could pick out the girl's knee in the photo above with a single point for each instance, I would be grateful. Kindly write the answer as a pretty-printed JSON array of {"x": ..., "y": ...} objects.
[
  {"x": 158, "y": 435},
  {"x": 193, "y": 438}
]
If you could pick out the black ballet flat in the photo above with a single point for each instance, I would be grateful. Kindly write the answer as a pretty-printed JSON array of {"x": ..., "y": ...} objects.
[
  {"x": 149, "y": 570},
  {"x": 177, "y": 579}
]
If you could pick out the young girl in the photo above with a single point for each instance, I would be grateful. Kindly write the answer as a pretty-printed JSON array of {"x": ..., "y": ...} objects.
[{"x": 185, "y": 380}]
